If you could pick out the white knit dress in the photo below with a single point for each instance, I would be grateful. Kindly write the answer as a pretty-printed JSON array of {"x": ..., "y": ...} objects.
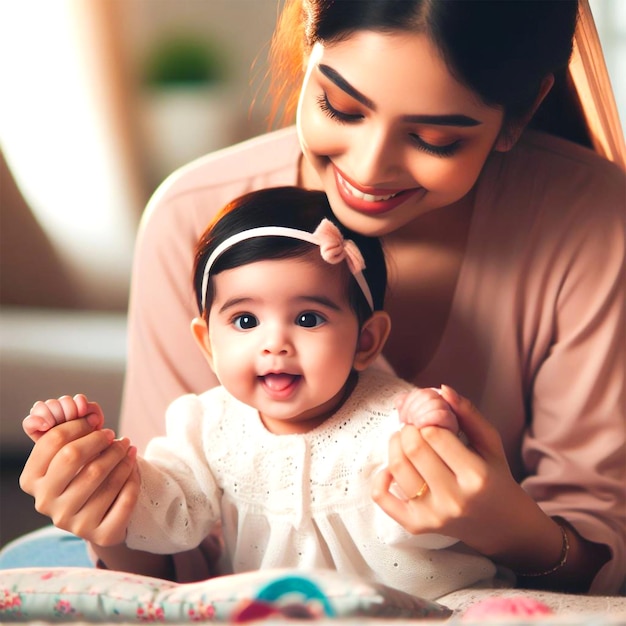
[{"x": 300, "y": 501}]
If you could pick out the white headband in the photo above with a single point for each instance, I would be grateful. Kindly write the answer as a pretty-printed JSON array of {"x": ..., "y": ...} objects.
[{"x": 333, "y": 249}]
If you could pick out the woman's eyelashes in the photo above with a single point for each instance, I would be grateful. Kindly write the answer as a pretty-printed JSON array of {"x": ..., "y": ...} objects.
[
  {"x": 440, "y": 151},
  {"x": 341, "y": 117},
  {"x": 334, "y": 114}
]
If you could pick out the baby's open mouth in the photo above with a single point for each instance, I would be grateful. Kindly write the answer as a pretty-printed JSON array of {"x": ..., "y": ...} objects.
[{"x": 279, "y": 382}]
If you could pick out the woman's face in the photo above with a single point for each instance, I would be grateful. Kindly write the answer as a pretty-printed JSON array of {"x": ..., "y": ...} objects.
[{"x": 389, "y": 131}]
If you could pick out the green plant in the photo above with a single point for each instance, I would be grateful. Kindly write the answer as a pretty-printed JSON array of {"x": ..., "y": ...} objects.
[{"x": 185, "y": 59}]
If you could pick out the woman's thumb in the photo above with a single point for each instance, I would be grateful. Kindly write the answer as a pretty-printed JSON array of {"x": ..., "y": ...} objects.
[{"x": 480, "y": 434}]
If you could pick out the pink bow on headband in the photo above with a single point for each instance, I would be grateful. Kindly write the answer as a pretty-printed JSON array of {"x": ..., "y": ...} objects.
[{"x": 335, "y": 249}]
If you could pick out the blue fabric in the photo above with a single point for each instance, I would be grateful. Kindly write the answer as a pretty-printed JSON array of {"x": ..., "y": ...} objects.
[{"x": 47, "y": 547}]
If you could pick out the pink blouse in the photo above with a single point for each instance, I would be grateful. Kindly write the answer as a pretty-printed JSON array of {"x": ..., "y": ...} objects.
[{"x": 535, "y": 338}]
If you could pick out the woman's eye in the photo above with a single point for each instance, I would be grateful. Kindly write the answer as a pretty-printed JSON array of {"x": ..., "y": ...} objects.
[
  {"x": 335, "y": 114},
  {"x": 440, "y": 151},
  {"x": 245, "y": 321},
  {"x": 309, "y": 320}
]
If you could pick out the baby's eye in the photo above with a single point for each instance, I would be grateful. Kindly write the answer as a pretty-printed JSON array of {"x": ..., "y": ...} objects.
[
  {"x": 245, "y": 321},
  {"x": 309, "y": 319}
]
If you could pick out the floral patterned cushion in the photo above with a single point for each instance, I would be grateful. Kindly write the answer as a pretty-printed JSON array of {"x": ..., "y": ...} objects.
[{"x": 91, "y": 595}]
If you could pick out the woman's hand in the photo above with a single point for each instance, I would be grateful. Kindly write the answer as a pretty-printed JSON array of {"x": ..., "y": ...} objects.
[
  {"x": 470, "y": 493},
  {"x": 84, "y": 479}
]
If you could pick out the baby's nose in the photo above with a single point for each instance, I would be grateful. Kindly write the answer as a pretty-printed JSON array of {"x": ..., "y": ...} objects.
[{"x": 277, "y": 341}]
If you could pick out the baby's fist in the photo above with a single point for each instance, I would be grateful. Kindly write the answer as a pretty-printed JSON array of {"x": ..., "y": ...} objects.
[
  {"x": 46, "y": 415},
  {"x": 426, "y": 407}
]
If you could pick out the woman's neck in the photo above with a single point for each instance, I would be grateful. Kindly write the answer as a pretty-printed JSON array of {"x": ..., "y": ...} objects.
[{"x": 424, "y": 260}]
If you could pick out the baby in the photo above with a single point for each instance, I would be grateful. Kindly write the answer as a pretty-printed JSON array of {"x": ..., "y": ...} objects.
[{"x": 284, "y": 453}]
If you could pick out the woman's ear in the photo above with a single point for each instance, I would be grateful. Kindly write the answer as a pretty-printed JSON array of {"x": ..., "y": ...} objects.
[
  {"x": 372, "y": 340},
  {"x": 200, "y": 333},
  {"x": 512, "y": 131}
]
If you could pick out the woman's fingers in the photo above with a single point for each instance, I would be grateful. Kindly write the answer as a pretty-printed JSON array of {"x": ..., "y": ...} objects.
[
  {"x": 88, "y": 503},
  {"x": 112, "y": 527},
  {"x": 99, "y": 479},
  {"x": 404, "y": 511},
  {"x": 412, "y": 462},
  {"x": 404, "y": 473},
  {"x": 470, "y": 466},
  {"x": 90, "y": 458},
  {"x": 466, "y": 483},
  {"x": 60, "y": 439},
  {"x": 470, "y": 472},
  {"x": 382, "y": 494},
  {"x": 481, "y": 435},
  {"x": 98, "y": 503},
  {"x": 80, "y": 476}
]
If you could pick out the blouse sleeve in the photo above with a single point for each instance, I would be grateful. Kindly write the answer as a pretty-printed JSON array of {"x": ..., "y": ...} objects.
[
  {"x": 574, "y": 449},
  {"x": 179, "y": 499}
]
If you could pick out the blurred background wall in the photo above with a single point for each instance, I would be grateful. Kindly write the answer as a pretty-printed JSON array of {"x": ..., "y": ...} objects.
[{"x": 100, "y": 100}]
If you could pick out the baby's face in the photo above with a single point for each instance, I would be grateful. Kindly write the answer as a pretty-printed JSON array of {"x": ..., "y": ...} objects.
[{"x": 283, "y": 338}]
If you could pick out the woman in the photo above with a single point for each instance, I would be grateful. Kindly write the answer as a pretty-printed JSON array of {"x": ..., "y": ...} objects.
[{"x": 414, "y": 118}]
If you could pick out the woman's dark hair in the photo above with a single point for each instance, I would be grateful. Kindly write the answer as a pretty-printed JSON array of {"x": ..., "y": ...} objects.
[
  {"x": 500, "y": 49},
  {"x": 290, "y": 207}
]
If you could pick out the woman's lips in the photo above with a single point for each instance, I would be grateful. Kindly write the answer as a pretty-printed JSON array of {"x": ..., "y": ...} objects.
[{"x": 382, "y": 201}]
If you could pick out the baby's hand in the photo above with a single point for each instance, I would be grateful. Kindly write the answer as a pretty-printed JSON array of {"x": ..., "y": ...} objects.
[
  {"x": 426, "y": 407},
  {"x": 45, "y": 415}
]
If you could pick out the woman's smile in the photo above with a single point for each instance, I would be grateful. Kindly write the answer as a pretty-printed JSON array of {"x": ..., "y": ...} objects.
[{"x": 370, "y": 200}]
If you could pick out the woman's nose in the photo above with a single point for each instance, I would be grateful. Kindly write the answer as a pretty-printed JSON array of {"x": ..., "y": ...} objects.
[{"x": 376, "y": 157}]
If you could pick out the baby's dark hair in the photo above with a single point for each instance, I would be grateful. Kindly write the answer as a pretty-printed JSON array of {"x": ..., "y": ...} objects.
[{"x": 290, "y": 207}]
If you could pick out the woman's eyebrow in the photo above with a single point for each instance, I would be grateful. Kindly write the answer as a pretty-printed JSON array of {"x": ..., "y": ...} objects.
[
  {"x": 344, "y": 85},
  {"x": 454, "y": 119}
]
